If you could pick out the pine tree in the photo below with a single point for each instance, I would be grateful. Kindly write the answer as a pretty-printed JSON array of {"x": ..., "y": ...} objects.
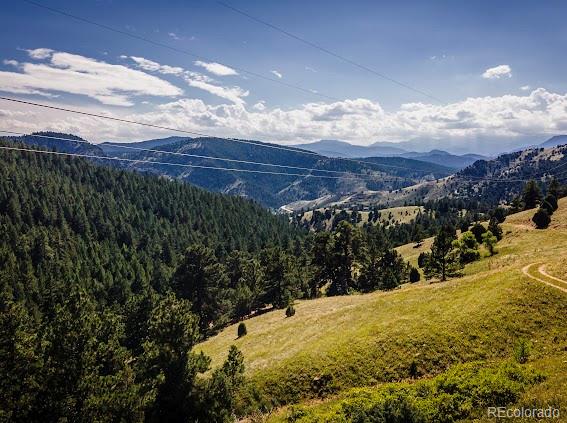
[
  {"x": 531, "y": 196},
  {"x": 495, "y": 228},
  {"x": 541, "y": 219},
  {"x": 443, "y": 261},
  {"x": 202, "y": 280}
]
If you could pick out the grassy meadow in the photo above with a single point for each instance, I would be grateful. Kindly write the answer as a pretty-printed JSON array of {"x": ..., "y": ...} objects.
[{"x": 333, "y": 345}]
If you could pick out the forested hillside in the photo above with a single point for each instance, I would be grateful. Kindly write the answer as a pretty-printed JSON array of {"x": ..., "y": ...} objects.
[{"x": 69, "y": 221}]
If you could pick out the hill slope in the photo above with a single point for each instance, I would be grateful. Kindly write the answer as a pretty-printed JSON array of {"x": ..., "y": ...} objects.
[
  {"x": 276, "y": 190},
  {"x": 332, "y": 344},
  {"x": 107, "y": 229}
]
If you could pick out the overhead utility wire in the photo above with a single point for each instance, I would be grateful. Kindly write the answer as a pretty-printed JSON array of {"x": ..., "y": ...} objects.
[
  {"x": 329, "y": 52},
  {"x": 179, "y": 50},
  {"x": 151, "y": 162},
  {"x": 93, "y": 156},
  {"x": 151, "y": 150},
  {"x": 199, "y": 134}
]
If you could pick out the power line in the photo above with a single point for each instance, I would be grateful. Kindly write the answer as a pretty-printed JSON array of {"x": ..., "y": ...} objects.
[
  {"x": 327, "y": 51},
  {"x": 178, "y": 50},
  {"x": 191, "y": 155},
  {"x": 199, "y": 134},
  {"x": 151, "y": 162}
]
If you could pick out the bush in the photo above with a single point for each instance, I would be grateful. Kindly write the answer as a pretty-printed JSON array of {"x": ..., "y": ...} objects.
[
  {"x": 414, "y": 275},
  {"x": 242, "y": 331},
  {"x": 522, "y": 351},
  {"x": 541, "y": 219},
  {"x": 290, "y": 311},
  {"x": 549, "y": 204},
  {"x": 451, "y": 396}
]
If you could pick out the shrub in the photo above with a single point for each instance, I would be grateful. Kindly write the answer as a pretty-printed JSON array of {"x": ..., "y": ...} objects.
[
  {"x": 522, "y": 350},
  {"x": 414, "y": 275},
  {"x": 242, "y": 331},
  {"x": 541, "y": 219},
  {"x": 290, "y": 311}
]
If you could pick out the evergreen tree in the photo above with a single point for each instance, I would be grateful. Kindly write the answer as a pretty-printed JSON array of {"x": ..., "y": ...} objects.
[
  {"x": 202, "y": 280},
  {"x": 168, "y": 366},
  {"x": 443, "y": 261},
  {"x": 549, "y": 203},
  {"x": 495, "y": 228},
  {"x": 414, "y": 275},
  {"x": 477, "y": 230},
  {"x": 347, "y": 247},
  {"x": 531, "y": 196},
  {"x": 541, "y": 219}
]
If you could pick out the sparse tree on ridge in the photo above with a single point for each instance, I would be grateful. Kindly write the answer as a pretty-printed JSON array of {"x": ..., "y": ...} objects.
[{"x": 531, "y": 196}]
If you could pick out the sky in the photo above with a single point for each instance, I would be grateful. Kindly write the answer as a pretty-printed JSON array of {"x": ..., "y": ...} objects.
[{"x": 492, "y": 73}]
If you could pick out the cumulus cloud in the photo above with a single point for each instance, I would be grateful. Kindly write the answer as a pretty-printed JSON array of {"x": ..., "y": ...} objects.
[
  {"x": 260, "y": 106},
  {"x": 174, "y": 35},
  {"x": 364, "y": 121},
  {"x": 278, "y": 74},
  {"x": 216, "y": 68},
  {"x": 497, "y": 72},
  {"x": 70, "y": 73},
  {"x": 525, "y": 87}
]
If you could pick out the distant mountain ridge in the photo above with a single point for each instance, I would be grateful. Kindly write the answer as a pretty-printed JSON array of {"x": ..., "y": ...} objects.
[
  {"x": 555, "y": 141},
  {"x": 335, "y": 148},
  {"x": 291, "y": 174}
]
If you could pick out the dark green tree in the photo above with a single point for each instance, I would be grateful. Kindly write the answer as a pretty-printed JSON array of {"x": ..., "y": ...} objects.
[
  {"x": 531, "y": 196},
  {"x": 443, "y": 261},
  {"x": 541, "y": 219},
  {"x": 495, "y": 228},
  {"x": 477, "y": 230},
  {"x": 202, "y": 280}
]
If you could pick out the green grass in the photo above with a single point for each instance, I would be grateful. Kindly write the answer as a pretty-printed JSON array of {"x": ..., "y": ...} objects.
[{"x": 334, "y": 344}]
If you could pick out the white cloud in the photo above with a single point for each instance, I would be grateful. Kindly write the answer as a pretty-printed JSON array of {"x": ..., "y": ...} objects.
[
  {"x": 278, "y": 74},
  {"x": 11, "y": 62},
  {"x": 174, "y": 35},
  {"x": 498, "y": 72},
  {"x": 152, "y": 66},
  {"x": 260, "y": 106},
  {"x": 40, "y": 53},
  {"x": 525, "y": 87},
  {"x": 310, "y": 69},
  {"x": 70, "y": 73},
  {"x": 234, "y": 94},
  {"x": 216, "y": 68}
]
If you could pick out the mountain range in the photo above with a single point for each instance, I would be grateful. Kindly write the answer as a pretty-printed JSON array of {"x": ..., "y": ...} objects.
[
  {"x": 294, "y": 178},
  {"x": 335, "y": 148}
]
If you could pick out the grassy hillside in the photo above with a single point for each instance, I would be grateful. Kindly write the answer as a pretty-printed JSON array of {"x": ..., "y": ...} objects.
[
  {"x": 333, "y": 344},
  {"x": 391, "y": 215}
]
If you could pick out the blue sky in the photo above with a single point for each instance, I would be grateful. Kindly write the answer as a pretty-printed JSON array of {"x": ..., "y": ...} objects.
[{"x": 443, "y": 48}]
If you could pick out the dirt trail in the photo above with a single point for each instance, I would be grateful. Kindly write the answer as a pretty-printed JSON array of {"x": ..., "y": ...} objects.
[{"x": 543, "y": 274}]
